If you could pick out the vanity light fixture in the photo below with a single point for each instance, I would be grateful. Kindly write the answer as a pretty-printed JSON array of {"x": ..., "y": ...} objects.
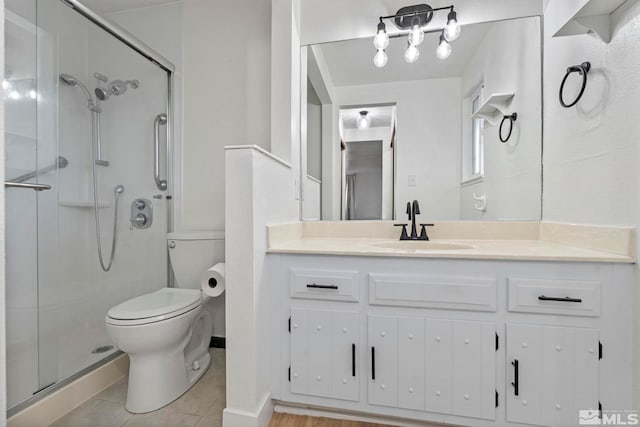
[
  {"x": 364, "y": 120},
  {"x": 452, "y": 29},
  {"x": 381, "y": 58},
  {"x": 412, "y": 54},
  {"x": 444, "y": 48},
  {"x": 414, "y": 19},
  {"x": 416, "y": 35}
]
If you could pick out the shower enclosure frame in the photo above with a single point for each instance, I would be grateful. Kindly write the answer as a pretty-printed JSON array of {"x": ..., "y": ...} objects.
[{"x": 161, "y": 62}]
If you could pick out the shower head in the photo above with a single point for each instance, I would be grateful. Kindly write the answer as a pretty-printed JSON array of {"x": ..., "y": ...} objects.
[
  {"x": 72, "y": 81},
  {"x": 102, "y": 94},
  {"x": 116, "y": 87}
]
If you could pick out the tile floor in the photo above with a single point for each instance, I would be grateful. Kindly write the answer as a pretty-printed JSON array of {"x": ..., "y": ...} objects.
[{"x": 201, "y": 406}]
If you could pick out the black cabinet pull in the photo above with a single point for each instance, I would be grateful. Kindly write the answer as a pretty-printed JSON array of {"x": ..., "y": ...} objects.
[
  {"x": 515, "y": 382},
  {"x": 353, "y": 360},
  {"x": 314, "y": 286},
  {"x": 561, "y": 299},
  {"x": 373, "y": 363}
]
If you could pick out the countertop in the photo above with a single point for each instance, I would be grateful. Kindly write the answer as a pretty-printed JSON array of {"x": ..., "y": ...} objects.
[{"x": 555, "y": 243}]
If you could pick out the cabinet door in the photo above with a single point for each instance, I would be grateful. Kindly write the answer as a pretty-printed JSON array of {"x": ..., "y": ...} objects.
[
  {"x": 411, "y": 366},
  {"x": 438, "y": 365},
  {"x": 383, "y": 360},
  {"x": 322, "y": 353},
  {"x": 474, "y": 362},
  {"x": 345, "y": 380},
  {"x": 557, "y": 370}
]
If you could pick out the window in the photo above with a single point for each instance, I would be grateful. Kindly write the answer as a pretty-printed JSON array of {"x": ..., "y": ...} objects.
[{"x": 477, "y": 145}]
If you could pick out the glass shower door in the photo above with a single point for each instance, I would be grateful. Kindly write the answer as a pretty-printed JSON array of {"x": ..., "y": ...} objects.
[
  {"x": 80, "y": 109},
  {"x": 31, "y": 163}
]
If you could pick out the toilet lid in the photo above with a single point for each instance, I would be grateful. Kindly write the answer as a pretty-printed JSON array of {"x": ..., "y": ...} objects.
[{"x": 158, "y": 303}]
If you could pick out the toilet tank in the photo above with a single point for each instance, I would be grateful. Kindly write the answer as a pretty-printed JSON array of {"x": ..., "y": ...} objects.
[{"x": 191, "y": 253}]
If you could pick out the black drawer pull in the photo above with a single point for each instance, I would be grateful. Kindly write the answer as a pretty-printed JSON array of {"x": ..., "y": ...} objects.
[
  {"x": 373, "y": 363},
  {"x": 515, "y": 382},
  {"x": 561, "y": 299},
  {"x": 353, "y": 360},
  {"x": 314, "y": 286}
]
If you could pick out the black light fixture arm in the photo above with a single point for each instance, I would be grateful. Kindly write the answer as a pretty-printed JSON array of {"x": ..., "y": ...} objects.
[{"x": 415, "y": 12}]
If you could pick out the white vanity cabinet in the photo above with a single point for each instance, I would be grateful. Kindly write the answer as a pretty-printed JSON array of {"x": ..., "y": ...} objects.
[
  {"x": 438, "y": 339},
  {"x": 323, "y": 353},
  {"x": 554, "y": 372},
  {"x": 413, "y": 359}
]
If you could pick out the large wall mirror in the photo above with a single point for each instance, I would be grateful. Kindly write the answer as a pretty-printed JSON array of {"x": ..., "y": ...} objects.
[{"x": 432, "y": 130}]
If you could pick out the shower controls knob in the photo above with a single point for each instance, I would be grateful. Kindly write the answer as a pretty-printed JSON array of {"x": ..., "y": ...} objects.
[
  {"x": 141, "y": 213},
  {"x": 139, "y": 220}
]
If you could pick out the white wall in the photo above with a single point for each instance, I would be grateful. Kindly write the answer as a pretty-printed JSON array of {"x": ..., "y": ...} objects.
[
  {"x": 512, "y": 180},
  {"x": 427, "y": 140},
  {"x": 3, "y": 382},
  {"x": 251, "y": 202},
  {"x": 591, "y": 151},
  {"x": 226, "y": 98}
]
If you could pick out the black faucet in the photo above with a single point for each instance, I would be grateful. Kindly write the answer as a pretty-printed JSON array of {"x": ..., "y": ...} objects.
[{"x": 413, "y": 209}]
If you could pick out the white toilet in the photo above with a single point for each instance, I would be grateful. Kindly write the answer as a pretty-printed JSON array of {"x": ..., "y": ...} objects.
[{"x": 167, "y": 332}]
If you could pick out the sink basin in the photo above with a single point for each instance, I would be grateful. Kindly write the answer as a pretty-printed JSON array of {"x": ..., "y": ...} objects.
[{"x": 422, "y": 245}]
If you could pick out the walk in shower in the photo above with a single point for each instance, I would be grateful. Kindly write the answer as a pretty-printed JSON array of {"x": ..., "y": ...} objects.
[{"x": 88, "y": 126}]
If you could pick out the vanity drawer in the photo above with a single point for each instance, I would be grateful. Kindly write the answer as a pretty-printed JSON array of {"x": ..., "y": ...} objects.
[
  {"x": 550, "y": 296},
  {"x": 447, "y": 292},
  {"x": 333, "y": 285}
]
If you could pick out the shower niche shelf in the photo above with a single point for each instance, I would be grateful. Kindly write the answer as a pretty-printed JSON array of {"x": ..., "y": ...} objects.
[
  {"x": 82, "y": 204},
  {"x": 494, "y": 108}
]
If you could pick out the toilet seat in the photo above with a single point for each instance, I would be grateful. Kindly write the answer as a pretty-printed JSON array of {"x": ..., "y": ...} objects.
[{"x": 154, "y": 307}]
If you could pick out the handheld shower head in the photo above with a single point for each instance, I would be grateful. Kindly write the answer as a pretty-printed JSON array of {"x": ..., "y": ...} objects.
[{"x": 68, "y": 79}]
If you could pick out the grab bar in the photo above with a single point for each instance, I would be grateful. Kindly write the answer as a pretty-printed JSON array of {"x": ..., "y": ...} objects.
[
  {"x": 62, "y": 163},
  {"x": 28, "y": 185},
  {"x": 160, "y": 119}
]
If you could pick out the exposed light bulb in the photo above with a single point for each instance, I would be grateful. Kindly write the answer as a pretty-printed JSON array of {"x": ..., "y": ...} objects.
[
  {"x": 364, "y": 121},
  {"x": 412, "y": 54},
  {"x": 6, "y": 85},
  {"x": 14, "y": 94},
  {"x": 444, "y": 49},
  {"x": 416, "y": 35},
  {"x": 380, "y": 59},
  {"x": 452, "y": 29},
  {"x": 381, "y": 40},
  {"x": 33, "y": 94}
]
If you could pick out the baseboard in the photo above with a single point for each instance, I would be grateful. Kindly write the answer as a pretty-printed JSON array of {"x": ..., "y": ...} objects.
[
  {"x": 235, "y": 418},
  {"x": 67, "y": 398},
  {"x": 218, "y": 342}
]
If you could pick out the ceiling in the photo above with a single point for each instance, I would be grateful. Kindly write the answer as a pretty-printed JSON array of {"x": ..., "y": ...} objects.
[
  {"x": 381, "y": 116},
  {"x": 350, "y": 62},
  {"x": 111, "y": 6}
]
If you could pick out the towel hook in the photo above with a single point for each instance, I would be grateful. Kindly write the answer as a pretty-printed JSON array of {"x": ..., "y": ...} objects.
[
  {"x": 512, "y": 118},
  {"x": 581, "y": 69}
]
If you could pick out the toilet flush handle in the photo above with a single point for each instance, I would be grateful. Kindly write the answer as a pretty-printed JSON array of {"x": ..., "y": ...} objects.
[{"x": 172, "y": 244}]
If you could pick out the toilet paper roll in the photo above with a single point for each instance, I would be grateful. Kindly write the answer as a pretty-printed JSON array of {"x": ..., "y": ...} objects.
[{"x": 212, "y": 280}]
